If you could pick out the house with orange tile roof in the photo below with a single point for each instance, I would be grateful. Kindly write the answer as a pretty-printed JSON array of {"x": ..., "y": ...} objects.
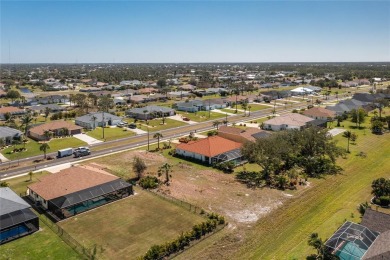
[
  {"x": 241, "y": 135},
  {"x": 287, "y": 121},
  {"x": 15, "y": 111},
  {"x": 76, "y": 190},
  {"x": 58, "y": 128},
  {"x": 211, "y": 150},
  {"x": 319, "y": 113}
]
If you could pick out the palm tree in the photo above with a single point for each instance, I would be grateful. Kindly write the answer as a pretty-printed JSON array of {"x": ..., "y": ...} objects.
[
  {"x": 44, "y": 147},
  {"x": 30, "y": 174},
  {"x": 48, "y": 134},
  {"x": 244, "y": 106},
  {"x": 216, "y": 124},
  {"x": 158, "y": 136},
  {"x": 348, "y": 135},
  {"x": 26, "y": 120},
  {"x": 47, "y": 112},
  {"x": 249, "y": 110},
  {"x": 94, "y": 121},
  {"x": 166, "y": 168}
]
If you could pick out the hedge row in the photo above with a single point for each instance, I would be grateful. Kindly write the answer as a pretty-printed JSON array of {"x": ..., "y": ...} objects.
[{"x": 157, "y": 252}]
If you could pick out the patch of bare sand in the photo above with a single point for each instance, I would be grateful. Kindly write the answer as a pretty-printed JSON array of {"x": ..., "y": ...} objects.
[{"x": 221, "y": 193}]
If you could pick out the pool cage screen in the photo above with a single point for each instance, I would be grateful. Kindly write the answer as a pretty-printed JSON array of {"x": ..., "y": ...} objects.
[{"x": 351, "y": 241}]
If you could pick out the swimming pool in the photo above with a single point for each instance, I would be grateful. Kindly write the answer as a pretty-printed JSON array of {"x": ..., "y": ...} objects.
[
  {"x": 16, "y": 231},
  {"x": 350, "y": 251},
  {"x": 25, "y": 90}
]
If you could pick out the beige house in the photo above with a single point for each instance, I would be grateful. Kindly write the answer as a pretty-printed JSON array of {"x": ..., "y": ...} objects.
[
  {"x": 286, "y": 122},
  {"x": 319, "y": 113},
  {"x": 241, "y": 135}
]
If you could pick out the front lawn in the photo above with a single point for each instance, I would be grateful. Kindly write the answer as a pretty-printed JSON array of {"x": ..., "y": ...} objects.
[
  {"x": 202, "y": 116},
  {"x": 156, "y": 125},
  {"x": 33, "y": 147},
  {"x": 110, "y": 133},
  {"x": 129, "y": 227}
]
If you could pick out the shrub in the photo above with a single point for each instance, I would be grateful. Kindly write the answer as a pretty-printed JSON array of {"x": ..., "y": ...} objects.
[
  {"x": 384, "y": 201},
  {"x": 149, "y": 182}
]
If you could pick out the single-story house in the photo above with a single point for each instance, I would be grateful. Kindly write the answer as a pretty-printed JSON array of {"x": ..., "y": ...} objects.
[
  {"x": 240, "y": 135},
  {"x": 41, "y": 108},
  {"x": 58, "y": 128},
  {"x": 314, "y": 88},
  {"x": 286, "y": 122},
  {"x": 15, "y": 111},
  {"x": 76, "y": 190},
  {"x": 150, "y": 112},
  {"x": 201, "y": 105},
  {"x": 369, "y": 240},
  {"x": 319, "y": 113},
  {"x": 211, "y": 150},
  {"x": 120, "y": 100},
  {"x": 8, "y": 134},
  {"x": 16, "y": 217},
  {"x": 147, "y": 90},
  {"x": 90, "y": 89},
  {"x": 188, "y": 87},
  {"x": 178, "y": 94},
  {"x": 52, "y": 99},
  {"x": 301, "y": 91},
  {"x": 349, "y": 105},
  {"x": 92, "y": 120}
]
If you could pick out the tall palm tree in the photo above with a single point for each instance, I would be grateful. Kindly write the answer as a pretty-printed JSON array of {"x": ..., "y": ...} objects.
[
  {"x": 348, "y": 135},
  {"x": 216, "y": 124},
  {"x": 47, "y": 113},
  {"x": 26, "y": 120},
  {"x": 166, "y": 168},
  {"x": 249, "y": 110},
  {"x": 44, "y": 147},
  {"x": 244, "y": 106},
  {"x": 158, "y": 136}
]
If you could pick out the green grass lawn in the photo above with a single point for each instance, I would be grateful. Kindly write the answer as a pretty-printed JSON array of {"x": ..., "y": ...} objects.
[
  {"x": 283, "y": 234},
  {"x": 33, "y": 147},
  {"x": 202, "y": 116},
  {"x": 257, "y": 107},
  {"x": 156, "y": 124},
  {"x": 129, "y": 227},
  {"x": 44, "y": 244},
  {"x": 110, "y": 133}
]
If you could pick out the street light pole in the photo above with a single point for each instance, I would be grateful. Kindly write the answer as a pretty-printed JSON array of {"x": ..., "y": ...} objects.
[{"x": 148, "y": 137}]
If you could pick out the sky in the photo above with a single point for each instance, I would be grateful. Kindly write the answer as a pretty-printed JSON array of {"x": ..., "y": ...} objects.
[{"x": 194, "y": 31}]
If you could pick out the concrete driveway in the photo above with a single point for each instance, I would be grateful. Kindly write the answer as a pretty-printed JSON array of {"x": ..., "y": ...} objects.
[
  {"x": 137, "y": 131},
  {"x": 180, "y": 118},
  {"x": 86, "y": 138},
  {"x": 335, "y": 131}
]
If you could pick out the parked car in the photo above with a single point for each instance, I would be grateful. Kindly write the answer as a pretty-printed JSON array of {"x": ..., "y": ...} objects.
[
  {"x": 81, "y": 151},
  {"x": 132, "y": 126},
  {"x": 186, "y": 119}
]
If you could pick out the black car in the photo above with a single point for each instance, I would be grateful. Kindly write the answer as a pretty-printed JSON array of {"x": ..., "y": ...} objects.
[
  {"x": 82, "y": 151},
  {"x": 132, "y": 126}
]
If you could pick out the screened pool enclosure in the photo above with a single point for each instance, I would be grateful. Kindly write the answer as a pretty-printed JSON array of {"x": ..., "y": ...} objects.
[{"x": 351, "y": 241}]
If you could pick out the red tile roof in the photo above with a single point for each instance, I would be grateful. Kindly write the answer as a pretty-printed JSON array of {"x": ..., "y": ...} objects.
[
  {"x": 70, "y": 180},
  {"x": 11, "y": 110},
  {"x": 210, "y": 146}
]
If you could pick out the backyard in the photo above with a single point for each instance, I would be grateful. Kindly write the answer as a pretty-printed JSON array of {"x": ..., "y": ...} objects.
[
  {"x": 110, "y": 133},
  {"x": 33, "y": 147},
  {"x": 129, "y": 227}
]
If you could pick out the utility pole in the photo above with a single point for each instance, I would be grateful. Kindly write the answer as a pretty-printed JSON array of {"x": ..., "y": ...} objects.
[
  {"x": 226, "y": 122},
  {"x": 103, "y": 123},
  {"x": 148, "y": 137},
  {"x": 209, "y": 108}
]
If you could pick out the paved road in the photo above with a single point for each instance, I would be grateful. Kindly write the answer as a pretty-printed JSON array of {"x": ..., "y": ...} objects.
[{"x": 16, "y": 167}]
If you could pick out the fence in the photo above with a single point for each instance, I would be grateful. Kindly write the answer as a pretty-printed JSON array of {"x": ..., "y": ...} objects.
[
  {"x": 178, "y": 202},
  {"x": 74, "y": 244}
]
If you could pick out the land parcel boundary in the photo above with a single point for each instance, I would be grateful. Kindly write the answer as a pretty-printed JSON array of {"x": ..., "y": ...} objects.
[{"x": 129, "y": 227}]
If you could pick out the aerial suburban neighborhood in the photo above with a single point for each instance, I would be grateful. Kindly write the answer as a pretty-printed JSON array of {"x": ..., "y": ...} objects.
[{"x": 194, "y": 130}]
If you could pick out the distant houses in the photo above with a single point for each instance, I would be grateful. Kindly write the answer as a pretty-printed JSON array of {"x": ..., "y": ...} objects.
[
  {"x": 150, "y": 112},
  {"x": 56, "y": 128},
  {"x": 76, "y": 190},
  {"x": 93, "y": 120},
  {"x": 211, "y": 150},
  {"x": 16, "y": 217}
]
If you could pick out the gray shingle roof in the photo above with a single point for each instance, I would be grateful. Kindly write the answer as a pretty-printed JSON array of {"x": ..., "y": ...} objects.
[
  {"x": 99, "y": 117},
  {"x": 150, "y": 109},
  {"x": 6, "y": 131}
]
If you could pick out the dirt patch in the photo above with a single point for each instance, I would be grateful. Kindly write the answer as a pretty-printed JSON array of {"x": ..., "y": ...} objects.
[{"x": 221, "y": 193}]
